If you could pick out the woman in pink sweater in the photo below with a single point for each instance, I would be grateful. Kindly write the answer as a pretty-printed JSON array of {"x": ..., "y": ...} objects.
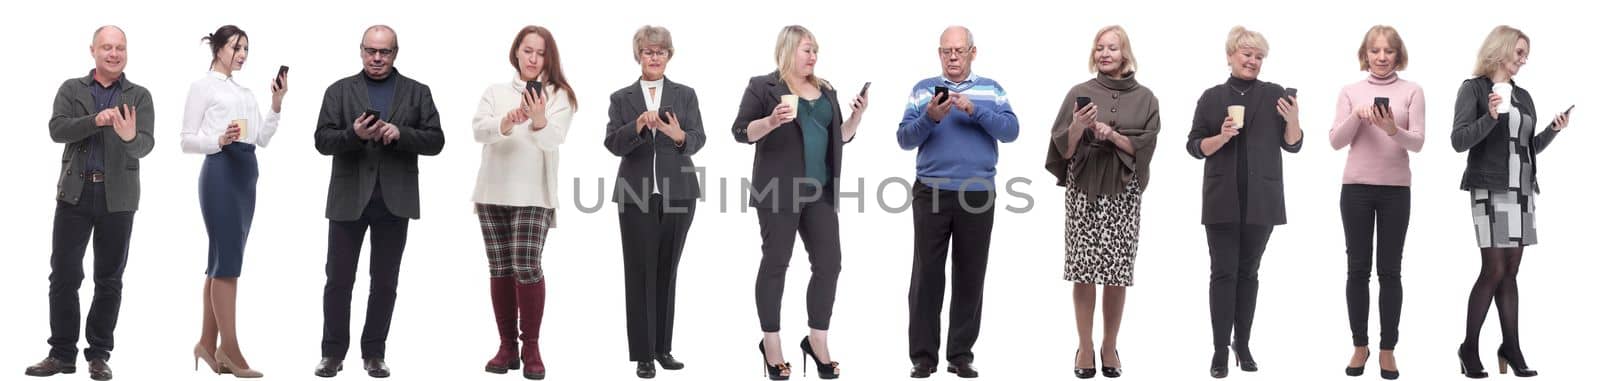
[{"x": 1380, "y": 118}]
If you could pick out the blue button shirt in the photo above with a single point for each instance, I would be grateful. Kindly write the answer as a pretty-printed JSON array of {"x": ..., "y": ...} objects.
[{"x": 104, "y": 98}]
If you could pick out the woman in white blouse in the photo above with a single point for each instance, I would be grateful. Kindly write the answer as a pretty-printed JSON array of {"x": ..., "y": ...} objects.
[
  {"x": 521, "y": 124},
  {"x": 221, "y": 120}
]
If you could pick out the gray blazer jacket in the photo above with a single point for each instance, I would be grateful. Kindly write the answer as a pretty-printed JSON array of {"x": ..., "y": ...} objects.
[
  {"x": 674, "y": 172},
  {"x": 72, "y": 123},
  {"x": 360, "y": 166}
]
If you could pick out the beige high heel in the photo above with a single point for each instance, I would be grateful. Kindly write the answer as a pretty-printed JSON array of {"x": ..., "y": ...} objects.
[
  {"x": 201, "y": 354},
  {"x": 224, "y": 361}
]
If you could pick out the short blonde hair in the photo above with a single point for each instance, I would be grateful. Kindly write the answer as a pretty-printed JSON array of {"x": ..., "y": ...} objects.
[
  {"x": 1393, "y": 37},
  {"x": 652, "y": 35},
  {"x": 1240, "y": 38},
  {"x": 1129, "y": 64},
  {"x": 1500, "y": 46},
  {"x": 788, "y": 41}
]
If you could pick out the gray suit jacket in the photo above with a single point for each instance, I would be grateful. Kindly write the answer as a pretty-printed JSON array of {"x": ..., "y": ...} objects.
[
  {"x": 72, "y": 123},
  {"x": 674, "y": 172},
  {"x": 360, "y": 166}
]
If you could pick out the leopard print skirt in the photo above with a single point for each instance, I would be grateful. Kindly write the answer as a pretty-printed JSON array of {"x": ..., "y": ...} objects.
[{"x": 1102, "y": 235}]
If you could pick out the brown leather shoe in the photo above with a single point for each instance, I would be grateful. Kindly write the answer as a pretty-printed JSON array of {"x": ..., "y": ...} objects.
[
  {"x": 99, "y": 370},
  {"x": 50, "y": 366}
]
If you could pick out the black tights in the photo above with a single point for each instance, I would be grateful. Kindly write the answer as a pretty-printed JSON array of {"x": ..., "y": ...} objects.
[{"x": 1497, "y": 282}]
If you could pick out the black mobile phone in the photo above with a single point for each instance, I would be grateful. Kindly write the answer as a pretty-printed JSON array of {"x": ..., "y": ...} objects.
[
  {"x": 536, "y": 87},
  {"x": 283, "y": 70},
  {"x": 1569, "y": 110},
  {"x": 864, "y": 88},
  {"x": 662, "y": 113},
  {"x": 1082, "y": 102},
  {"x": 940, "y": 94},
  {"x": 1291, "y": 94},
  {"x": 373, "y": 114}
]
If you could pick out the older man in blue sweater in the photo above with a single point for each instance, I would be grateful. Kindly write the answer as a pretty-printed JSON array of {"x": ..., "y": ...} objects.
[{"x": 955, "y": 121}]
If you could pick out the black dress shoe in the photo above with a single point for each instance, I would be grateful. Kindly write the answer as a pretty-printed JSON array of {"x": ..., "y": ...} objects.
[
  {"x": 1219, "y": 363},
  {"x": 329, "y": 367},
  {"x": 1109, "y": 371},
  {"x": 1242, "y": 357},
  {"x": 647, "y": 369},
  {"x": 99, "y": 370},
  {"x": 963, "y": 370},
  {"x": 669, "y": 363},
  {"x": 1083, "y": 373},
  {"x": 375, "y": 367},
  {"x": 919, "y": 371},
  {"x": 50, "y": 366}
]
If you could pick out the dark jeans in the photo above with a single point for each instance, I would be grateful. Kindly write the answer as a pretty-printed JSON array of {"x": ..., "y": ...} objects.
[
  {"x": 1389, "y": 207},
  {"x": 344, "y": 253},
  {"x": 652, "y": 243},
  {"x": 818, "y": 226},
  {"x": 942, "y": 218},
  {"x": 1236, "y": 251},
  {"x": 74, "y": 225}
]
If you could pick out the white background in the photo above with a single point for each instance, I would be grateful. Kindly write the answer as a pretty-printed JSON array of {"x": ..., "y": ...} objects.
[{"x": 443, "y": 326}]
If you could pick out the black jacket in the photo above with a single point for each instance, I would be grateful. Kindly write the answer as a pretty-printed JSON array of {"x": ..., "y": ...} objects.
[
  {"x": 1261, "y": 138},
  {"x": 674, "y": 172},
  {"x": 361, "y": 166},
  {"x": 1488, "y": 138},
  {"x": 780, "y": 155},
  {"x": 72, "y": 123}
]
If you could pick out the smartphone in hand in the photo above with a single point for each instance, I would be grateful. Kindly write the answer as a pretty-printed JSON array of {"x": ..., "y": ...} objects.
[
  {"x": 536, "y": 88},
  {"x": 940, "y": 94},
  {"x": 1292, "y": 95},
  {"x": 1082, "y": 102},
  {"x": 283, "y": 70},
  {"x": 663, "y": 113},
  {"x": 864, "y": 89}
]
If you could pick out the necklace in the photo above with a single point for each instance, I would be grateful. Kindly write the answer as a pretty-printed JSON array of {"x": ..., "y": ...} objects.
[{"x": 1241, "y": 92}]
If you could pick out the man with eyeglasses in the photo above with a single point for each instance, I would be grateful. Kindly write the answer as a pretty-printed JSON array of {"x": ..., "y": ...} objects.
[
  {"x": 106, "y": 123},
  {"x": 954, "y": 121},
  {"x": 373, "y": 185}
]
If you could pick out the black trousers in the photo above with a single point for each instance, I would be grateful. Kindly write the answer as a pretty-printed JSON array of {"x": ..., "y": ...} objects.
[
  {"x": 344, "y": 253},
  {"x": 944, "y": 219},
  {"x": 1389, "y": 207},
  {"x": 818, "y": 226},
  {"x": 652, "y": 243},
  {"x": 111, "y": 233},
  {"x": 1235, "y": 259}
]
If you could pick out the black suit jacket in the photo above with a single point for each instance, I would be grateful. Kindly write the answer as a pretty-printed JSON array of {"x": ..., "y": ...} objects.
[
  {"x": 360, "y": 166},
  {"x": 780, "y": 156},
  {"x": 1262, "y": 138},
  {"x": 72, "y": 123},
  {"x": 674, "y": 171}
]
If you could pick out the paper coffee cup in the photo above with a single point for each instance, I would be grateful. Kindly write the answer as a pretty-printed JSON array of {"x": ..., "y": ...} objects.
[
  {"x": 1237, "y": 113},
  {"x": 792, "y": 100},
  {"x": 1504, "y": 91},
  {"x": 244, "y": 126}
]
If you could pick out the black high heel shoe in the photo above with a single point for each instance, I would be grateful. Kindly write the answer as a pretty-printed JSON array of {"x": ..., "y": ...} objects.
[
  {"x": 826, "y": 371},
  {"x": 1385, "y": 373},
  {"x": 1519, "y": 365},
  {"x": 778, "y": 372},
  {"x": 1357, "y": 371},
  {"x": 1219, "y": 363},
  {"x": 1476, "y": 369},
  {"x": 1111, "y": 372},
  {"x": 1242, "y": 358},
  {"x": 1082, "y": 372}
]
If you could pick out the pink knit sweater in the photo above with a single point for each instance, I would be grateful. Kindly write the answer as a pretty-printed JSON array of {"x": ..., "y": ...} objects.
[{"x": 1376, "y": 158}]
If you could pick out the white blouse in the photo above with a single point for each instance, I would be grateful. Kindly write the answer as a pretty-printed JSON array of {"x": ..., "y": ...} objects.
[
  {"x": 519, "y": 169},
  {"x": 214, "y": 102}
]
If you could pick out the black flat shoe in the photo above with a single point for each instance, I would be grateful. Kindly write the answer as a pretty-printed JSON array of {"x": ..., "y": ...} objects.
[
  {"x": 646, "y": 369},
  {"x": 778, "y": 372},
  {"x": 1082, "y": 372},
  {"x": 1243, "y": 358},
  {"x": 826, "y": 371},
  {"x": 963, "y": 370},
  {"x": 1111, "y": 372},
  {"x": 1357, "y": 371},
  {"x": 1219, "y": 363},
  {"x": 668, "y": 362},
  {"x": 329, "y": 367},
  {"x": 1514, "y": 359}
]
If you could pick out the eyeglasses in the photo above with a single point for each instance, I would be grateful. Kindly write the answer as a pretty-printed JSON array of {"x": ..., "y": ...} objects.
[
  {"x": 377, "y": 52},
  {"x": 955, "y": 51},
  {"x": 653, "y": 53}
]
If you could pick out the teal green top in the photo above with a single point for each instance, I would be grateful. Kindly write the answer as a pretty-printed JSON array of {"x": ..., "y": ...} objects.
[{"x": 814, "y": 118}]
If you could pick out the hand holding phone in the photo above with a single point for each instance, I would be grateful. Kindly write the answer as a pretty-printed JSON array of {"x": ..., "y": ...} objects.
[
  {"x": 283, "y": 72},
  {"x": 864, "y": 89},
  {"x": 1291, "y": 94},
  {"x": 1082, "y": 102},
  {"x": 940, "y": 94},
  {"x": 536, "y": 88},
  {"x": 664, "y": 113}
]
